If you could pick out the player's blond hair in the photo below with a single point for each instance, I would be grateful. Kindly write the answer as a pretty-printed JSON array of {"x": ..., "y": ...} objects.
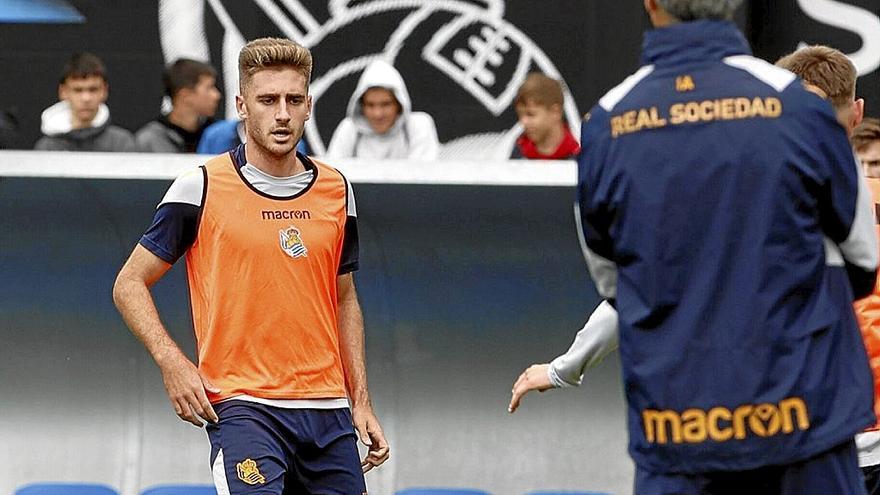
[
  {"x": 825, "y": 68},
  {"x": 264, "y": 53},
  {"x": 866, "y": 133}
]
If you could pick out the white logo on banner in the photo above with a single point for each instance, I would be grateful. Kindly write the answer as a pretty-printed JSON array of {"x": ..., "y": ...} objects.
[
  {"x": 477, "y": 49},
  {"x": 850, "y": 18}
]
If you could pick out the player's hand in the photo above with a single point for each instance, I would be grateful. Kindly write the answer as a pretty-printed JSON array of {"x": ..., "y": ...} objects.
[
  {"x": 186, "y": 390},
  {"x": 370, "y": 432},
  {"x": 535, "y": 377}
]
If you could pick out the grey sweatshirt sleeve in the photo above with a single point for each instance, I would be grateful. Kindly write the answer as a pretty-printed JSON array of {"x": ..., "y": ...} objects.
[{"x": 593, "y": 342}]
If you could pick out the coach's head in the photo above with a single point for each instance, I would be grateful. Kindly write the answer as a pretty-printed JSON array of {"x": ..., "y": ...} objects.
[{"x": 666, "y": 12}]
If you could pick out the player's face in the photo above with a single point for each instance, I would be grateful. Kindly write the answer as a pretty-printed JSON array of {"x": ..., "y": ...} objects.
[
  {"x": 85, "y": 95},
  {"x": 538, "y": 121},
  {"x": 205, "y": 96},
  {"x": 380, "y": 108},
  {"x": 275, "y": 107},
  {"x": 870, "y": 157}
]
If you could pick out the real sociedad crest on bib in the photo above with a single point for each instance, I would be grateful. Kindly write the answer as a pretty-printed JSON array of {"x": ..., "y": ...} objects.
[{"x": 291, "y": 242}]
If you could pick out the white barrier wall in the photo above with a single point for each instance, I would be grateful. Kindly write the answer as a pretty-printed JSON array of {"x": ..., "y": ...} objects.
[{"x": 469, "y": 273}]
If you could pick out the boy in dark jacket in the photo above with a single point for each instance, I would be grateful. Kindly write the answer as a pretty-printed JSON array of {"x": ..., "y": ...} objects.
[{"x": 81, "y": 120}]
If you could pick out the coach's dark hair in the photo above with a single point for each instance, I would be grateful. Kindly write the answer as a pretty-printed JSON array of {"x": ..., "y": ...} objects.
[
  {"x": 694, "y": 10},
  {"x": 82, "y": 65},
  {"x": 185, "y": 73}
]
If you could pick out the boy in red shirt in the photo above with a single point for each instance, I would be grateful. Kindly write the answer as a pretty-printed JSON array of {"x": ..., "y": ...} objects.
[{"x": 539, "y": 108}]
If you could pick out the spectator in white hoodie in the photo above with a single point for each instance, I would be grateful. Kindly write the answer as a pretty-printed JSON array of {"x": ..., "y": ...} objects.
[
  {"x": 380, "y": 123},
  {"x": 81, "y": 120}
]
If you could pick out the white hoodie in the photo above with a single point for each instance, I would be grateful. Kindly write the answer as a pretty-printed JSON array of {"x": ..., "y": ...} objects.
[
  {"x": 57, "y": 119},
  {"x": 413, "y": 135},
  {"x": 59, "y": 134}
]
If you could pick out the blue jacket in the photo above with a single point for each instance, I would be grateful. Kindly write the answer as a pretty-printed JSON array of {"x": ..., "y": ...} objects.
[
  {"x": 722, "y": 209},
  {"x": 219, "y": 137}
]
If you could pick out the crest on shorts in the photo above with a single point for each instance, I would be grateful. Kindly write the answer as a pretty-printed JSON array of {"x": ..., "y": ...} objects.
[
  {"x": 249, "y": 472},
  {"x": 292, "y": 243}
]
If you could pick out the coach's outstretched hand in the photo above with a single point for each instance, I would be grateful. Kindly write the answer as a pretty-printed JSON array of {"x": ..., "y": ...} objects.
[
  {"x": 186, "y": 390},
  {"x": 535, "y": 377},
  {"x": 370, "y": 432}
]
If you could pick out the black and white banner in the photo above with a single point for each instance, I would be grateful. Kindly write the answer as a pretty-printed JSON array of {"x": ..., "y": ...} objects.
[{"x": 462, "y": 60}]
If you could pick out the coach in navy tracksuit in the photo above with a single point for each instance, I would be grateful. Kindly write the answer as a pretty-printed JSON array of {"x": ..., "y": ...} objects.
[{"x": 723, "y": 211}]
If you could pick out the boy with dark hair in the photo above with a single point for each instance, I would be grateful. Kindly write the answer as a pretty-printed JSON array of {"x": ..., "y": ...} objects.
[
  {"x": 866, "y": 141},
  {"x": 80, "y": 121},
  {"x": 191, "y": 86},
  {"x": 539, "y": 108}
]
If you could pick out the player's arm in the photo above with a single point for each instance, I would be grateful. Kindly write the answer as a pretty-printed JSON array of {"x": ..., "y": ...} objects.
[
  {"x": 594, "y": 207},
  {"x": 131, "y": 294},
  {"x": 351, "y": 343},
  {"x": 859, "y": 248},
  {"x": 351, "y": 346},
  {"x": 592, "y": 217},
  {"x": 845, "y": 205},
  {"x": 172, "y": 233},
  {"x": 598, "y": 338}
]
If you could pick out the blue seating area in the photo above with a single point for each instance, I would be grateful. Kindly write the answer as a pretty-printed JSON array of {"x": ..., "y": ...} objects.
[
  {"x": 189, "y": 489},
  {"x": 65, "y": 489},
  {"x": 441, "y": 491},
  {"x": 180, "y": 490},
  {"x": 99, "y": 489},
  {"x": 566, "y": 493},
  {"x": 468, "y": 491}
]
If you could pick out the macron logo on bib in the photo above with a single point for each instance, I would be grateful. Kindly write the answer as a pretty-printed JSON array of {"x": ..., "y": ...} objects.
[{"x": 286, "y": 215}]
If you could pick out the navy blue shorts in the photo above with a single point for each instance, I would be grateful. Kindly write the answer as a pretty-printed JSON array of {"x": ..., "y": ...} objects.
[
  {"x": 835, "y": 471},
  {"x": 259, "y": 449}
]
